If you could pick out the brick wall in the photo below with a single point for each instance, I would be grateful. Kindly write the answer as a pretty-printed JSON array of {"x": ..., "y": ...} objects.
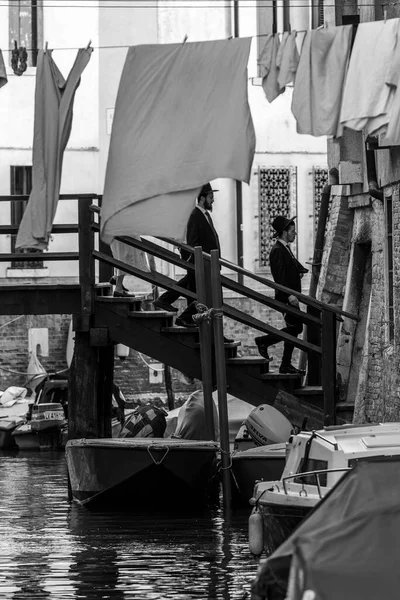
[
  {"x": 372, "y": 379},
  {"x": 131, "y": 374}
]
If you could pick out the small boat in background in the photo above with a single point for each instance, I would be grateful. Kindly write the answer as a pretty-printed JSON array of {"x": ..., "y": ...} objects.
[
  {"x": 14, "y": 406},
  {"x": 46, "y": 427}
]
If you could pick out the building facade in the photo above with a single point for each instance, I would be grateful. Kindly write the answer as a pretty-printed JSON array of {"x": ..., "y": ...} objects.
[
  {"x": 360, "y": 265},
  {"x": 289, "y": 170}
]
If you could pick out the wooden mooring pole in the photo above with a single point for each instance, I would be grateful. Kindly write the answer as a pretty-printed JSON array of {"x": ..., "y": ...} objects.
[
  {"x": 216, "y": 290},
  {"x": 205, "y": 335}
]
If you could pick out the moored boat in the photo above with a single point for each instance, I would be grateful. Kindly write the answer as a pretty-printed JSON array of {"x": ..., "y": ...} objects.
[
  {"x": 316, "y": 462},
  {"x": 145, "y": 472},
  {"x": 259, "y": 450}
]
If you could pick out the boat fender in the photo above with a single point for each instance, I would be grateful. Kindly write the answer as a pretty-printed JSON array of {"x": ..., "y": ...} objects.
[{"x": 256, "y": 532}]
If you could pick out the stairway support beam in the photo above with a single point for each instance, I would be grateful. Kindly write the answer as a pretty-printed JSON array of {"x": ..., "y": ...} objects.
[
  {"x": 221, "y": 377},
  {"x": 329, "y": 366},
  {"x": 205, "y": 337}
]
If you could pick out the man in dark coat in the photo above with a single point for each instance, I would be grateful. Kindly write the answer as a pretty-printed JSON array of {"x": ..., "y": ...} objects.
[
  {"x": 200, "y": 231},
  {"x": 287, "y": 271}
]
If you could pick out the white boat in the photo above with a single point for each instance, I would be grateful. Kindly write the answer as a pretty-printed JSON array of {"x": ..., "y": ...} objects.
[{"x": 316, "y": 461}]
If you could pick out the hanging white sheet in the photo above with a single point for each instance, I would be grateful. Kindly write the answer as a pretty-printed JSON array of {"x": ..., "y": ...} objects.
[
  {"x": 318, "y": 88},
  {"x": 367, "y": 97},
  {"x": 181, "y": 119},
  {"x": 54, "y": 98},
  {"x": 3, "y": 73}
]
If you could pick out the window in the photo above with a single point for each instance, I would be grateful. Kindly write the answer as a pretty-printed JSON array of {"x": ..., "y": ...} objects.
[
  {"x": 277, "y": 196},
  {"x": 389, "y": 264},
  {"x": 275, "y": 16},
  {"x": 21, "y": 184},
  {"x": 26, "y": 27},
  {"x": 317, "y": 15},
  {"x": 320, "y": 179}
]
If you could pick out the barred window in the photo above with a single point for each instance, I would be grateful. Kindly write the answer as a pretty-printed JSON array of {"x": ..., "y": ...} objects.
[
  {"x": 26, "y": 27},
  {"x": 320, "y": 179},
  {"x": 277, "y": 196}
]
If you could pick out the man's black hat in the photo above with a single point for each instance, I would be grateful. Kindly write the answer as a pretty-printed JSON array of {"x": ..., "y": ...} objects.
[
  {"x": 281, "y": 223},
  {"x": 206, "y": 189}
]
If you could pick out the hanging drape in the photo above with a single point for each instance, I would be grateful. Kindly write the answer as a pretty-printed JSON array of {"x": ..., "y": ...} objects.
[
  {"x": 181, "y": 119},
  {"x": 54, "y": 98}
]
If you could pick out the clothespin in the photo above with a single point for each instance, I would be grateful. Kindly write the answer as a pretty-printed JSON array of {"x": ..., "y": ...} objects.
[
  {"x": 289, "y": 28},
  {"x": 185, "y": 38},
  {"x": 46, "y": 46},
  {"x": 384, "y": 13},
  {"x": 88, "y": 46}
]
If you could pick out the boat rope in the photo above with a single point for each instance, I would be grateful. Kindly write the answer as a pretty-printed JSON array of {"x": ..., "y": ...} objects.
[
  {"x": 230, "y": 460},
  {"x": 204, "y": 314},
  {"x": 149, "y": 365},
  {"x": 12, "y": 321},
  {"x": 154, "y": 447}
]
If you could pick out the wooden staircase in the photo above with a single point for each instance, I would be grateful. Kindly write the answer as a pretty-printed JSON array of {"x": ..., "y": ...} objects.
[
  {"x": 152, "y": 332},
  {"x": 100, "y": 321}
]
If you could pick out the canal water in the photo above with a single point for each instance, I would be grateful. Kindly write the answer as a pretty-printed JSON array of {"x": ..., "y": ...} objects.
[{"x": 51, "y": 548}]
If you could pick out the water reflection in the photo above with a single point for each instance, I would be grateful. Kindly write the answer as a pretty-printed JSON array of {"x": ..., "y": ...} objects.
[{"x": 52, "y": 549}]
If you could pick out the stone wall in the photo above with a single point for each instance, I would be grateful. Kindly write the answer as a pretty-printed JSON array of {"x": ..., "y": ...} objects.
[{"x": 354, "y": 276}]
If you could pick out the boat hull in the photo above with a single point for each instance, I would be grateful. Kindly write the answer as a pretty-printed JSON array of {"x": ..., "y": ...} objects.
[
  {"x": 255, "y": 464},
  {"x": 7, "y": 426},
  {"x": 141, "y": 472},
  {"x": 278, "y": 523}
]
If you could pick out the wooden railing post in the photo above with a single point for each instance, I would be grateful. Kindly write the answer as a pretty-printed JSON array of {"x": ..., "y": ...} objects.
[
  {"x": 86, "y": 262},
  {"x": 205, "y": 335},
  {"x": 313, "y": 335},
  {"x": 216, "y": 290},
  {"x": 329, "y": 366}
]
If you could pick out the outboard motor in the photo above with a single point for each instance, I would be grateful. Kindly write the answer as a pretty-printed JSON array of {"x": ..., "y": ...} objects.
[{"x": 266, "y": 425}]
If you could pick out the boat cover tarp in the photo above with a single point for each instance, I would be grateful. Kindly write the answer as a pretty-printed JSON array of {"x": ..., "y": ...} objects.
[
  {"x": 182, "y": 118},
  {"x": 352, "y": 518}
]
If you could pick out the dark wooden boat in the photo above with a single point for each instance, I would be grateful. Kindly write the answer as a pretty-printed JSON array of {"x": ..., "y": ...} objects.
[
  {"x": 255, "y": 464},
  {"x": 141, "y": 472}
]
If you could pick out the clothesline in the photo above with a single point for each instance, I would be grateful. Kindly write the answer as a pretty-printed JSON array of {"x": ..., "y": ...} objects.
[{"x": 259, "y": 35}]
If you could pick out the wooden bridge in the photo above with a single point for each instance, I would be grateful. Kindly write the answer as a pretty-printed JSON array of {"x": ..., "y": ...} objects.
[{"x": 101, "y": 321}]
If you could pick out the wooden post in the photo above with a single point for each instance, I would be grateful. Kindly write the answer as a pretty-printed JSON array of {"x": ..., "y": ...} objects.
[
  {"x": 90, "y": 379},
  {"x": 313, "y": 335},
  {"x": 205, "y": 336},
  {"x": 221, "y": 377},
  {"x": 329, "y": 366},
  {"x": 86, "y": 262},
  {"x": 106, "y": 271},
  {"x": 105, "y": 380},
  {"x": 168, "y": 387}
]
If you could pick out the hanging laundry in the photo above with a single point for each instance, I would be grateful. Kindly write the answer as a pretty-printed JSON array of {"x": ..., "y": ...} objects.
[
  {"x": 367, "y": 98},
  {"x": 318, "y": 88},
  {"x": 392, "y": 136},
  {"x": 3, "y": 74},
  {"x": 181, "y": 118},
  {"x": 269, "y": 68},
  {"x": 129, "y": 255},
  {"x": 288, "y": 61},
  {"x": 54, "y": 98},
  {"x": 281, "y": 48}
]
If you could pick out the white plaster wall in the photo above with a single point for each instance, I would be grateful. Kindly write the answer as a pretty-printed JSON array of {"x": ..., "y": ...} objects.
[{"x": 63, "y": 27}]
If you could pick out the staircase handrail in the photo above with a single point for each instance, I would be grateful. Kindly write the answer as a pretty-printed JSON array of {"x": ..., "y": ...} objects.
[
  {"x": 171, "y": 257},
  {"x": 269, "y": 283}
]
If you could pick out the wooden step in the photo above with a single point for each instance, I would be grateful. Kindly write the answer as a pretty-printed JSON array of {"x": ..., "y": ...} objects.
[
  {"x": 103, "y": 289},
  {"x": 255, "y": 365},
  {"x": 309, "y": 390}
]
